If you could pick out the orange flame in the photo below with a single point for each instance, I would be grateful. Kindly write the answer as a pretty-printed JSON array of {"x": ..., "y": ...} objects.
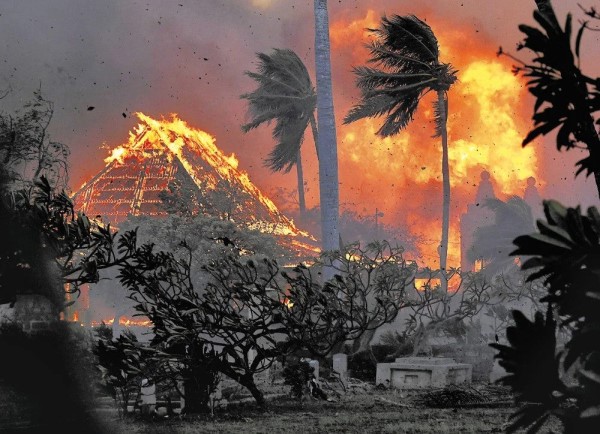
[
  {"x": 288, "y": 302},
  {"x": 127, "y": 322},
  {"x": 487, "y": 121},
  {"x": 151, "y": 136}
]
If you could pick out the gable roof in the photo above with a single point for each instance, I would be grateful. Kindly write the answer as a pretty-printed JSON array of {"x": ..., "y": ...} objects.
[{"x": 161, "y": 151}]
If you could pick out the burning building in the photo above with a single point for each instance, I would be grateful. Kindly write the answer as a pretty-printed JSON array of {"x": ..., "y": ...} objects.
[
  {"x": 166, "y": 157},
  {"x": 160, "y": 153}
]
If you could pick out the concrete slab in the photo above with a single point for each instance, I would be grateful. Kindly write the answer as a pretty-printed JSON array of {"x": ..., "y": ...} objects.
[{"x": 422, "y": 372}]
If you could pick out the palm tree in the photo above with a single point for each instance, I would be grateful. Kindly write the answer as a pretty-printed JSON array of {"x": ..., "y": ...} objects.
[
  {"x": 285, "y": 94},
  {"x": 407, "y": 52},
  {"x": 494, "y": 243},
  {"x": 326, "y": 140}
]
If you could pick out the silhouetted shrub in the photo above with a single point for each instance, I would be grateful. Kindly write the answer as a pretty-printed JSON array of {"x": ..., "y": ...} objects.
[{"x": 362, "y": 366}]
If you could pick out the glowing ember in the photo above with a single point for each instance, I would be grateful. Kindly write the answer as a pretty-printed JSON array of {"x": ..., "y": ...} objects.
[
  {"x": 117, "y": 154},
  {"x": 288, "y": 303}
]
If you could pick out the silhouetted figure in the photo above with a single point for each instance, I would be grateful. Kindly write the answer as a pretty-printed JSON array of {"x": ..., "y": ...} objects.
[
  {"x": 485, "y": 189},
  {"x": 533, "y": 198},
  {"x": 477, "y": 216}
]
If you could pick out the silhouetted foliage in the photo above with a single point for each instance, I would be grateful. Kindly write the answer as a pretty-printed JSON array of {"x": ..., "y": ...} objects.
[
  {"x": 26, "y": 149},
  {"x": 408, "y": 52},
  {"x": 566, "y": 98},
  {"x": 297, "y": 375},
  {"x": 566, "y": 255},
  {"x": 251, "y": 311},
  {"x": 122, "y": 365},
  {"x": 447, "y": 312},
  {"x": 48, "y": 244},
  {"x": 45, "y": 244},
  {"x": 286, "y": 95}
]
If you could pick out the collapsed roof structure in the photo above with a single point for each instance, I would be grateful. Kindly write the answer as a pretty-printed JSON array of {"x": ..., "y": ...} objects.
[{"x": 161, "y": 152}]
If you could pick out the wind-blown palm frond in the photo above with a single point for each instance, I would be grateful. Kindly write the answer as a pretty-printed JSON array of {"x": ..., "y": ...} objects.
[
  {"x": 285, "y": 95},
  {"x": 407, "y": 52},
  {"x": 410, "y": 36},
  {"x": 290, "y": 132}
]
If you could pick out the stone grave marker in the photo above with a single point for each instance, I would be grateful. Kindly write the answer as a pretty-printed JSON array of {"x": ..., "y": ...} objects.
[
  {"x": 314, "y": 364},
  {"x": 340, "y": 365}
]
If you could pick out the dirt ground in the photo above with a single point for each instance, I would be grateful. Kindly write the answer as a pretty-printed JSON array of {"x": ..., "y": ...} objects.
[{"x": 361, "y": 410}]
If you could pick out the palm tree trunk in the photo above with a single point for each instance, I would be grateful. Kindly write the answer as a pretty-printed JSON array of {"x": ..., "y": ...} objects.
[
  {"x": 443, "y": 107},
  {"x": 326, "y": 139},
  {"x": 315, "y": 133},
  {"x": 299, "y": 172}
]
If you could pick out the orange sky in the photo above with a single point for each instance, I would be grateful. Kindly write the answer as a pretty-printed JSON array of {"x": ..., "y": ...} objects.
[{"x": 164, "y": 56}]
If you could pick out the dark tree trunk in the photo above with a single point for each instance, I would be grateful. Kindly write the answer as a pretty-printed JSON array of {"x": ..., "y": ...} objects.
[
  {"x": 315, "y": 133},
  {"x": 196, "y": 397},
  {"x": 443, "y": 108},
  {"x": 248, "y": 382},
  {"x": 363, "y": 343}
]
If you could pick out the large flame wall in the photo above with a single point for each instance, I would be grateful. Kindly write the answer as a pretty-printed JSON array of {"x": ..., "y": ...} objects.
[{"x": 401, "y": 175}]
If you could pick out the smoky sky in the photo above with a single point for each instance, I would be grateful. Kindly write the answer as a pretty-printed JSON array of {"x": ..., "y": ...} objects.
[{"x": 189, "y": 57}]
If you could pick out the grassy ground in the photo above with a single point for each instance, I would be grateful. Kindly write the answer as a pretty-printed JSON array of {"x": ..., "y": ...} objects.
[
  {"x": 366, "y": 410},
  {"x": 363, "y": 409}
]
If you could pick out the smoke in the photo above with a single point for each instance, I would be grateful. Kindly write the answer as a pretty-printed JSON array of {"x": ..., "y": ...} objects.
[{"x": 179, "y": 56}]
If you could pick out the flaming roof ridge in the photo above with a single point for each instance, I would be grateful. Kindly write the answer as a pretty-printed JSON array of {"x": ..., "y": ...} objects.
[{"x": 160, "y": 151}]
